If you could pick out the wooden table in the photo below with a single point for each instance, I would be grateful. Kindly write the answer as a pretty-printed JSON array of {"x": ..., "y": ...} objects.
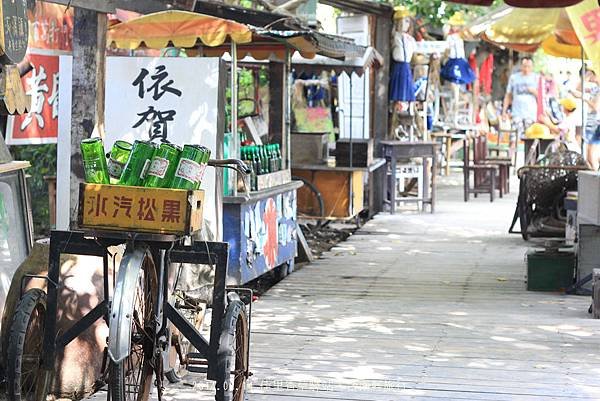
[{"x": 399, "y": 150}]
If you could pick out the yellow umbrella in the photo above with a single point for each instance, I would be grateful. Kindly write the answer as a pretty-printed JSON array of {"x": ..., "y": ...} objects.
[
  {"x": 180, "y": 28},
  {"x": 527, "y": 30},
  {"x": 554, "y": 47}
]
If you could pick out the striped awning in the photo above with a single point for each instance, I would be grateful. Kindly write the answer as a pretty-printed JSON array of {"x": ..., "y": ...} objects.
[{"x": 177, "y": 28}]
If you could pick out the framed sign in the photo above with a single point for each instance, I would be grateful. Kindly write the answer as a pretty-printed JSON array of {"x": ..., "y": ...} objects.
[
  {"x": 14, "y": 31},
  {"x": 169, "y": 99},
  {"x": 40, "y": 124}
]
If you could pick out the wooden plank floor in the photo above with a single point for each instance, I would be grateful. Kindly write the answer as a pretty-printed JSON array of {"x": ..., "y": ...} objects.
[{"x": 423, "y": 307}]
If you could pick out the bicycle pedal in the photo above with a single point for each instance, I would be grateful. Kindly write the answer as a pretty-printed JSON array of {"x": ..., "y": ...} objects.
[{"x": 197, "y": 369}]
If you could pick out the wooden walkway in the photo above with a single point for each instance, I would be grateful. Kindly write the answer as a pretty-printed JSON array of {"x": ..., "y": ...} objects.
[{"x": 422, "y": 307}]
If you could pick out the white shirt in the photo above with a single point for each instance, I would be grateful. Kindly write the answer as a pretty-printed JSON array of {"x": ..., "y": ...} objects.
[
  {"x": 404, "y": 47},
  {"x": 456, "y": 46}
]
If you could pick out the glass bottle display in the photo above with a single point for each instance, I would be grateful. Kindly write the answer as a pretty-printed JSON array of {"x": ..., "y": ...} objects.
[
  {"x": 117, "y": 159},
  {"x": 138, "y": 164},
  {"x": 163, "y": 166},
  {"x": 94, "y": 161}
]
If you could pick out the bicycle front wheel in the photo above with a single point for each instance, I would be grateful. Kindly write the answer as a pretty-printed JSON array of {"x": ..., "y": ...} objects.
[{"x": 131, "y": 379}]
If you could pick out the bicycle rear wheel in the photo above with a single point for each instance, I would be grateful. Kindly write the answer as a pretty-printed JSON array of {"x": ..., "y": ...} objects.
[
  {"x": 233, "y": 353},
  {"x": 310, "y": 201},
  {"x": 131, "y": 379},
  {"x": 25, "y": 348}
]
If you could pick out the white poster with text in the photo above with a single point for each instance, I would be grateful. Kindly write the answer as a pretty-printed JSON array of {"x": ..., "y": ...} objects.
[{"x": 168, "y": 100}]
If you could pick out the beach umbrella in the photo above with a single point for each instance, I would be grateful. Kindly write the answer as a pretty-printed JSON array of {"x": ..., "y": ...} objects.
[{"x": 526, "y": 30}]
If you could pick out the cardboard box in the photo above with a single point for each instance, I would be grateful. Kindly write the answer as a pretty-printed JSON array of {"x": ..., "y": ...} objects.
[
  {"x": 309, "y": 148},
  {"x": 139, "y": 209},
  {"x": 362, "y": 152},
  {"x": 266, "y": 181}
]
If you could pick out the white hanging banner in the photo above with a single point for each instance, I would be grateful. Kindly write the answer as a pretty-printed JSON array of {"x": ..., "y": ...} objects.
[
  {"x": 168, "y": 99},
  {"x": 431, "y": 46}
]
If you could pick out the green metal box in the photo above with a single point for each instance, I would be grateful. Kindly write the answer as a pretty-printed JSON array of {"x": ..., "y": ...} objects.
[{"x": 550, "y": 270}]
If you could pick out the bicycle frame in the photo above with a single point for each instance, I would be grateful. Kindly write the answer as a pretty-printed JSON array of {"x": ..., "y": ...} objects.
[{"x": 165, "y": 249}]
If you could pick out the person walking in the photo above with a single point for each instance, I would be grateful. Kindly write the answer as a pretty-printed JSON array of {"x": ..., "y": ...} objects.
[
  {"x": 521, "y": 97},
  {"x": 591, "y": 133}
]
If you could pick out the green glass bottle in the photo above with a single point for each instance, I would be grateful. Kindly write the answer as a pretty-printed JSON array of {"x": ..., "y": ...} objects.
[
  {"x": 278, "y": 155},
  {"x": 94, "y": 161},
  {"x": 247, "y": 159},
  {"x": 261, "y": 161},
  {"x": 205, "y": 161},
  {"x": 137, "y": 166},
  {"x": 265, "y": 157},
  {"x": 117, "y": 158},
  {"x": 272, "y": 158},
  {"x": 256, "y": 160},
  {"x": 190, "y": 168},
  {"x": 275, "y": 158},
  {"x": 163, "y": 166}
]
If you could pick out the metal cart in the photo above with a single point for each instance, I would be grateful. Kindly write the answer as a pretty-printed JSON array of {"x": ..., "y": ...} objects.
[{"x": 139, "y": 316}]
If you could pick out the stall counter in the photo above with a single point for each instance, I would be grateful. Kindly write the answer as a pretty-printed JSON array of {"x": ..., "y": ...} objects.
[
  {"x": 260, "y": 229},
  {"x": 342, "y": 188}
]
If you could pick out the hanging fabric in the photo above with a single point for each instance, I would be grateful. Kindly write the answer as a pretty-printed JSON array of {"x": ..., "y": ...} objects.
[{"x": 485, "y": 74}]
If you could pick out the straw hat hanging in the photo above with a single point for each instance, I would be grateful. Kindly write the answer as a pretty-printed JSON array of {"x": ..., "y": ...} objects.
[{"x": 402, "y": 12}]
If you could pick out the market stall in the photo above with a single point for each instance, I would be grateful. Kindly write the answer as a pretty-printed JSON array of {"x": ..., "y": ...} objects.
[
  {"x": 259, "y": 211},
  {"x": 230, "y": 219},
  {"x": 323, "y": 114}
]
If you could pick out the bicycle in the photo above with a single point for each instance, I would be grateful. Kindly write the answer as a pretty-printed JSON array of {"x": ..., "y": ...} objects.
[{"x": 138, "y": 315}]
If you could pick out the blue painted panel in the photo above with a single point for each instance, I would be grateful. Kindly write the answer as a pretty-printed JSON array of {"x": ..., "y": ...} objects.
[{"x": 261, "y": 236}]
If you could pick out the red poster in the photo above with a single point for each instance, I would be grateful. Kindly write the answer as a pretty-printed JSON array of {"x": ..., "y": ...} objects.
[{"x": 40, "y": 125}]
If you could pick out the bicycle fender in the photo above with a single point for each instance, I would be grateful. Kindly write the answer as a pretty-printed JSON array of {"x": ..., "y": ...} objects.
[{"x": 121, "y": 311}]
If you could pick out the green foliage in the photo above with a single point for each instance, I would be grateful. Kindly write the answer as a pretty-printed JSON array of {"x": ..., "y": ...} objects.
[
  {"x": 246, "y": 88},
  {"x": 263, "y": 77},
  {"x": 245, "y": 92},
  {"x": 246, "y": 3},
  {"x": 43, "y": 163},
  {"x": 435, "y": 13}
]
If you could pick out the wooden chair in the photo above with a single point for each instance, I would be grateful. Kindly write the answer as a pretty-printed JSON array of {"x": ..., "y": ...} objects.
[
  {"x": 509, "y": 150},
  {"x": 481, "y": 156},
  {"x": 484, "y": 175}
]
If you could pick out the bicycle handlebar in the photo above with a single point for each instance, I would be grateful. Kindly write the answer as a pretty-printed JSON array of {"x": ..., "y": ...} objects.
[{"x": 234, "y": 164}]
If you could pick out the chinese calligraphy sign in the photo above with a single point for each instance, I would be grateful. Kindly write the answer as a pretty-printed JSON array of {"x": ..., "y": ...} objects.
[
  {"x": 155, "y": 85},
  {"x": 40, "y": 124},
  {"x": 155, "y": 210}
]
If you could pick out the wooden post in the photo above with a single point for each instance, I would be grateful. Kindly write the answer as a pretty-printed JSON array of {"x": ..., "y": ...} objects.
[
  {"x": 277, "y": 105},
  {"x": 87, "y": 112},
  {"x": 380, "y": 116}
]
